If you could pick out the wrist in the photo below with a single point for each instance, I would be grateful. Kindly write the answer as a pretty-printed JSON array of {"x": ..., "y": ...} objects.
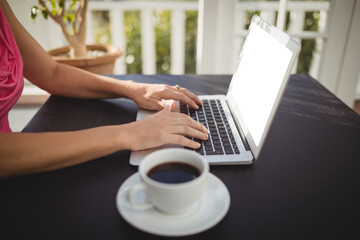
[
  {"x": 127, "y": 88},
  {"x": 124, "y": 136},
  {"x": 117, "y": 87}
]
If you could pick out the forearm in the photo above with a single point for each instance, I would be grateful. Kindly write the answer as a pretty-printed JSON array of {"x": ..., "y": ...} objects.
[
  {"x": 73, "y": 82},
  {"x": 23, "y": 153}
]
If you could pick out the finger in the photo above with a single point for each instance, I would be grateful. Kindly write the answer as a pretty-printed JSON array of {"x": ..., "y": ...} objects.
[
  {"x": 189, "y": 131},
  {"x": 167, "y": 107},
  {"x": 191, "y": 95},
  {"x": 185, "y": 99},
  {"x": 188, "y": 100},
  {"x": 182, "y": 95},
  {"x": 162, "y": 104},
  {"x": 184, "y": 125},
  {"x": 182, "y": 119},
  {"x": 183, "y": 141},
  {"x": 171, "y": 103}
]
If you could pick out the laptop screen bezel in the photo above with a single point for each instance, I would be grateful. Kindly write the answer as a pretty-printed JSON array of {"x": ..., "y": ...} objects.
[{"x": 291, "y": 45}]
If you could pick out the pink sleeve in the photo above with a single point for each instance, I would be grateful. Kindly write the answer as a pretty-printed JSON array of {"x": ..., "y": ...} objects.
[{"x": 11, "y": 72}]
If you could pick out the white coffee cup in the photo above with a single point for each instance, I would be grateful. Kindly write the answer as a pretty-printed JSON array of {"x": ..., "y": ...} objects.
[{"x": 170, "y": 198}]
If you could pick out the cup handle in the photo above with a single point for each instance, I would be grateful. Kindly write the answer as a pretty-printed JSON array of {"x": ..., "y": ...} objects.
[{"x": 131, "y": 196}]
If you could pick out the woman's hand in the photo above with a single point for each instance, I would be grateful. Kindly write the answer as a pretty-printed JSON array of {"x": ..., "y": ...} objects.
[
  {"x": 150, "y": 96},
  {"x": 165, "y": 127}
]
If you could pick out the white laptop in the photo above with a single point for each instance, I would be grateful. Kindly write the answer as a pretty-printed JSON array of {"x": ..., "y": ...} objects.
[{"x": 239, "y": 122}]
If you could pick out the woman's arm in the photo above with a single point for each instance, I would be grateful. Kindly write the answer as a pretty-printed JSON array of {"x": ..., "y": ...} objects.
[
  {"x": 64, "y": 80},
  {"x": 24, "y": 153}
]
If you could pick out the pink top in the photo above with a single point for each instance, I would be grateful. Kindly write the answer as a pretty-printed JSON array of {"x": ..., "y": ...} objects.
[{"x": 11, "y": 72}]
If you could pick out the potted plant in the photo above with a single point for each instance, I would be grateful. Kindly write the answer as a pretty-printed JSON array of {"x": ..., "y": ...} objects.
[{"x": 71, "y": 17}]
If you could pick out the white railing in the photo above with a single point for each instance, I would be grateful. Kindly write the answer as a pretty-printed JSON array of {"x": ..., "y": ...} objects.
[
  {"x": 116, "y": 12},
  {"x": 268, "y": 11}
]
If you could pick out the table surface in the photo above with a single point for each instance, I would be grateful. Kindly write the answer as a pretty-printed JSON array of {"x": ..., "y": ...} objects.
[{"x": 305, "y": 184}]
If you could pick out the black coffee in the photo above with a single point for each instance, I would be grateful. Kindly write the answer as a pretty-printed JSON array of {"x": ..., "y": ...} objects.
[{"x": 173, "y": 172}]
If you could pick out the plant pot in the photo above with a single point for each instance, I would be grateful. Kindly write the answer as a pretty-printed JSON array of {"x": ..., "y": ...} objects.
[{"x": 97, "y": 64}]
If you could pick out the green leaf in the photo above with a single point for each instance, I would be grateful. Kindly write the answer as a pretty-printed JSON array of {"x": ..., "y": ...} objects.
[
  {"x": 70, "y": 18},
  {"x": 53, "y": 4},
  {"x": 53, "y": 7},
  {"x": 61, "y": 4},
  {"x": 44, "y": 13},
  {"x": 73, "y": 2},
  {"x": 33, "y": 12}
]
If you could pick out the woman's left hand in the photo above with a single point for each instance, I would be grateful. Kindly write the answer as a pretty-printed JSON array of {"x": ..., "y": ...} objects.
[{"x": 150, "y": 96}]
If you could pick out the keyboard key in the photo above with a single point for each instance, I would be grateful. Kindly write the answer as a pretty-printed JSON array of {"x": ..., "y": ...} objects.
[
  {"x": 218, "y": 147},
  {"x": 236, "y": 150},
  {"x": 212, "y": 153},
  {"x": 215, "y": 138},
  {"x": 208, "y": 148},
  {"x": 226, "y": 144},
  {"x": 223, "y": 135},
  {"x": 228, "y": 150}
]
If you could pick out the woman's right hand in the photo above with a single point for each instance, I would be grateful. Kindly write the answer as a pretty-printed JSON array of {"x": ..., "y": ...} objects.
[{"x": 165, "y": 127}]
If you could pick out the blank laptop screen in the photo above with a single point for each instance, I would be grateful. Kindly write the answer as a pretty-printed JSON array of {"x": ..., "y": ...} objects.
[{"x": 263, "y": 64}]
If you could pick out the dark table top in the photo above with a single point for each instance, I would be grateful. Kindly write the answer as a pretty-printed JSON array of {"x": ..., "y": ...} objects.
[{"x": 305, "y": 184}]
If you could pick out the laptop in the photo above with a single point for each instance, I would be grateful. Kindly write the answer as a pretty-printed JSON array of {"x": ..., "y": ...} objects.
[{"x": 238, "y": 122}]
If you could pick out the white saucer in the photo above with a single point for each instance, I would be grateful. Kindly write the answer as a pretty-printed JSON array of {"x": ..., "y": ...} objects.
[{"x": 213, "y": 206}]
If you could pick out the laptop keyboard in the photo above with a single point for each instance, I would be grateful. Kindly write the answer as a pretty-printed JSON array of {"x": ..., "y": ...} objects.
[{"x": 221, "y": 139}]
